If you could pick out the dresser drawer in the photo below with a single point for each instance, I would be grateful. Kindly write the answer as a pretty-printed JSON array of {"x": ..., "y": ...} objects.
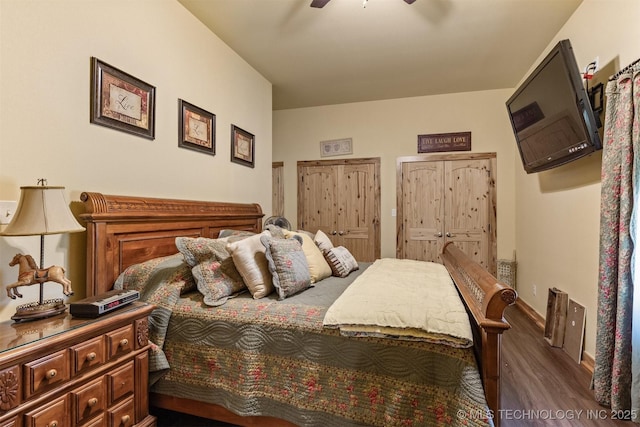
[
  {"x": 120, "y": 341},
  {"x": 89, "y": 400},
  {"x": 99, "y": 421},
  {"x": 87, "y": 355},
  {"x": 46, "y": 372},
  {"x": 122, "y": 415},
  {"x": 120, "y": 382},
  {"x": 54, "y": 414},
  {"x": 11, "y": 388}
]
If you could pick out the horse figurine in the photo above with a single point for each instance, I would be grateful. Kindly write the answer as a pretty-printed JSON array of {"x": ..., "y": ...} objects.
[{"x": 30, "y": 274}]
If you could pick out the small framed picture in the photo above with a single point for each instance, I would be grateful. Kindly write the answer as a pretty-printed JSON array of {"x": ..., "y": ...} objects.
[
  {"x": 336, "y": 147},
  {"x": 196, "y": 128},
  {"x": 242, "y": 146},
  {"x": 121, "y": 101}
]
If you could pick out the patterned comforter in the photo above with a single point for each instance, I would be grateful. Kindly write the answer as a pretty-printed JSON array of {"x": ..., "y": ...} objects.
[{"x": 274, "y": 358}]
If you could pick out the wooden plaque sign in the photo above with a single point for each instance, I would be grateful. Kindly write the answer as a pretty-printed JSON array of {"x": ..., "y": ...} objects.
[{"x": 435, "y": 142}]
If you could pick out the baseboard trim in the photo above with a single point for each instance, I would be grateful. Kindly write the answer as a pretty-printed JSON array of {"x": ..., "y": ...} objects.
[{"x": 587, "y": 361}]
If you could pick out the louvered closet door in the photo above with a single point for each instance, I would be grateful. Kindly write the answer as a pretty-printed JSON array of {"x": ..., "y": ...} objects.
[{"x": 443, "y": 198}]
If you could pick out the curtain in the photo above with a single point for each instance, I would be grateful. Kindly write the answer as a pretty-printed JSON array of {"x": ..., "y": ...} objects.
[{"x": 612, "y": 378}]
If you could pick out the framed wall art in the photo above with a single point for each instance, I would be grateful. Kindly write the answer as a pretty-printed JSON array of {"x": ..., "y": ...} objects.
[
  {"x": 242, "y": 146},
  {"x": 336, "y": 147},
  {"x": 196, "y": 128},
  {"x": 121, "y": 101},
  {"x": 437, "y": 142}
]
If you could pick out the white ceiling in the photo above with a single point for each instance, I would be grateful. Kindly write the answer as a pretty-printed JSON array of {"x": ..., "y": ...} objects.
[{"x": 345, "y": 52}]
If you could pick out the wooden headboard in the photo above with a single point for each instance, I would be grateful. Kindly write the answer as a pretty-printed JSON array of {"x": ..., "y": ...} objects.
[{"x": 124, "y": 230}]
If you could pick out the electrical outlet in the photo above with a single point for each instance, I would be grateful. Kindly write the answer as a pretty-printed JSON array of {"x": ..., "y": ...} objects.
[
  {"x": 534, "y": 290},
  {"x": 7, "y": 209}
]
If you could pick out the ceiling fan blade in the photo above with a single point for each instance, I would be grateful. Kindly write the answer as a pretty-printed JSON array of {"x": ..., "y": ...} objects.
[
  {"x": 319, "y": 3},
  {"x": 409, "y": 1}
]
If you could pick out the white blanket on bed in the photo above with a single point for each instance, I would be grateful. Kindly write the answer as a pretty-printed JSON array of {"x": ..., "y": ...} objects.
[{"x": 402, "y": 299}]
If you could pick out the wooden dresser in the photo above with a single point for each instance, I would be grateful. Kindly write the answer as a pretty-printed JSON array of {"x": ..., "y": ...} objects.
[{"x": 64, "y": 371}]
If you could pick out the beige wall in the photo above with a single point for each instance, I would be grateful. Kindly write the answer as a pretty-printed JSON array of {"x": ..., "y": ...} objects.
[
  {"x": 551, "y": 218},
  {"x": 45, "y": 50},
  {"x": 557, "y": 212},
  {"x": 389, "y": 129}
]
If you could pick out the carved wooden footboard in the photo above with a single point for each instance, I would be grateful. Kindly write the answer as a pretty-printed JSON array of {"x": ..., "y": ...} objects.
[
  {"x": 124, "y": 230},
  {"x": 485, "y": 299}
]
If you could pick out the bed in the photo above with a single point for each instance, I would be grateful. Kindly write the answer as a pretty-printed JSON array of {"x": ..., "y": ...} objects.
[{"x": 124, "y": 232}]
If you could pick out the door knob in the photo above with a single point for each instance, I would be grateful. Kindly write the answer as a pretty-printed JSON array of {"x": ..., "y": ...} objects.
[
  {"x": 450, "y": 235},
  {"x": 334, "y": 232},
  {"x": 438, "y": 234},
  {"x": 341, "y": 232}
]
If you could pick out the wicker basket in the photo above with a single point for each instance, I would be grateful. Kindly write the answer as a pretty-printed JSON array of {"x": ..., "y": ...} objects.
[{"x": 507, "y": 272}]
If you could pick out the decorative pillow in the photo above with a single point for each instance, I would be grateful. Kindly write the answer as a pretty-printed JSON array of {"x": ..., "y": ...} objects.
[
  {"x": 318, "y": 267},
  {"x": 199, "y": 249},
  {"x": 276, "y": 231},
  {"x": 287, "y": 264},
  {"x": 322, "y": 241},
  {"x": 212, "y": 267},
  {"x": 250, "y": 260},
  {"x": 341, "y": 261},
  {"x": 234, "y": 233}
]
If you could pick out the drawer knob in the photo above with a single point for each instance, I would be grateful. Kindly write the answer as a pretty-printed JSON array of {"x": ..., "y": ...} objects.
[
  {"x": 91, "y": 356},
  {"x": 125, "y": 419},
  {"x": 92, "y": 402},
  {"x": 124, "y": 342},
  {"x": 53, "y": 424},
  {"x": 51, "y": 374}
]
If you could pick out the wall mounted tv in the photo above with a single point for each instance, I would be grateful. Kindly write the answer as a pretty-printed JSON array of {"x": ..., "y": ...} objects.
[{"x": 550, "y": 113}]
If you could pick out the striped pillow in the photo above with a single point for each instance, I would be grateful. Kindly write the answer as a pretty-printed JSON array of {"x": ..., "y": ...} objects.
[{"x": 341, "y": 261}]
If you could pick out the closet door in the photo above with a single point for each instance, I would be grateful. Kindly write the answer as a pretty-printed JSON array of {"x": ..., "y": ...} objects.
[
  {"x": 277, "y": 188},
  {"x": 422, "y": 210},
  {"x": 443, "y": 198},
  {"x": 342, "y": 198},
  {"x": 318, "y": 199},
  {"x": 468, "y": 204},
  {"x": 359, "y": 210}
]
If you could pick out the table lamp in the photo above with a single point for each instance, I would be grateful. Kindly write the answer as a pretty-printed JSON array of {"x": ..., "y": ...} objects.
[{"x": 41, "y": 210}]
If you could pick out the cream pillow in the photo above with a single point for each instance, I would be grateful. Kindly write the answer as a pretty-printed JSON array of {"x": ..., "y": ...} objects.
[
  {"x": 323, "y": 241},
  {"x": 250, "y": 261},
  {"x": 318, "y": 267}
]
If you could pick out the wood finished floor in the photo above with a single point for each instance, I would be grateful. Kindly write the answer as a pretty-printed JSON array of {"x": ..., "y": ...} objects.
[{"x": 541, "y": 386}]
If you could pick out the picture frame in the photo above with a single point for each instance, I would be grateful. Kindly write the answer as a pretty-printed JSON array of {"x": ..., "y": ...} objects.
[
  {"x": 242, "y": 147},
  {"x": 439, "y": 142},
  {"x": 336, "y": 147},
  {"x": 121, "y": 101},
  {"x": 196, "y": 128}
]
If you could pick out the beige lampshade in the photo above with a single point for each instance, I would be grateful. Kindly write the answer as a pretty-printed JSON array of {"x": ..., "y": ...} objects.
[{"x": 42, "y": 210}]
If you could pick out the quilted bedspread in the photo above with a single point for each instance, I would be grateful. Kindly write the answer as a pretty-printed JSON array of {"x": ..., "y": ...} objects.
[{"x": 275, "y": 358}]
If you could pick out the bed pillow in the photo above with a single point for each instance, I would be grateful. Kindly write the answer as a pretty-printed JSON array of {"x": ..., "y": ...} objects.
[
  {"x": 250, "y": 260},
  {"x": 287, "y": 264},
  {"x": 341, "y": 261},
  {"x": 234, "y": 233},
  {"x": 213, "y": 269},
  {"x": 318, "y": 267},
  {"x": 277, "y": 232},
  {"x": 322, "y": 241}
]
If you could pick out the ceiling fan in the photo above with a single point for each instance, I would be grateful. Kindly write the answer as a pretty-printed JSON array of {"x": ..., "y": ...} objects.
[{"x": 322, "y": 3}]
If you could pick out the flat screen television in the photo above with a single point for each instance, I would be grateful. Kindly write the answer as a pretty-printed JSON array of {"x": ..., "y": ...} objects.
[{"x": 551, "y": 115}]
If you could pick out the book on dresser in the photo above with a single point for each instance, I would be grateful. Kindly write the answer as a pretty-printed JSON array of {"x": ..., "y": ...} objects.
[{"x": 66, "y": 371}]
